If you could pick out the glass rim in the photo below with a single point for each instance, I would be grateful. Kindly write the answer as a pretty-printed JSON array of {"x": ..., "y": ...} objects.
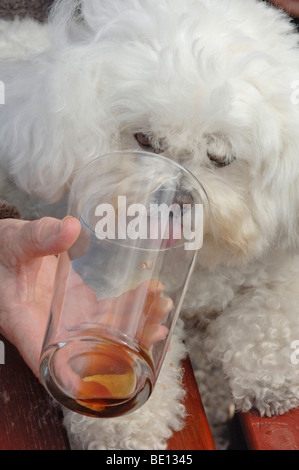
[{"x": 140, "y": 153}]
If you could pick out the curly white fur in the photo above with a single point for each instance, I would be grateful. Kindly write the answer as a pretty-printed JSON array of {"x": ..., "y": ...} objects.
[{"x": 204, "y": 80}]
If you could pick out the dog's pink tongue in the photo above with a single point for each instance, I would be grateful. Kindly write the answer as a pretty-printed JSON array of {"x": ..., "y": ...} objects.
[
  {"x": 175, "y": 234},
  {"x": 171, "y": 236}
]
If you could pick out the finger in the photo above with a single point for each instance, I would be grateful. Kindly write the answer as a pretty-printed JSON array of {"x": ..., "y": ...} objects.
[
  {"x": 146, "y": 293},
  {"x": 159, "y": 309},
  {"x": 137, "y": 300},
  {"x": 47, "y": 236},
  {"x": 153, "y": 286},
  {"x": 152, "y": 334}
]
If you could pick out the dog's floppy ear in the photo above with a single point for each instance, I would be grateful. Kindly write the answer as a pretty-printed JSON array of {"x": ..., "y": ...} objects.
[
  {"x": 281, "y": 161},
  {"x": 53, "y": 120},
  {"x": 287, "y": 192}
]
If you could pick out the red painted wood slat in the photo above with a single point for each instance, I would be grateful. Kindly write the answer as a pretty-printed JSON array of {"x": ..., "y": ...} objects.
[
  {"x": 275, "y": 433},
  {"x": 30, "y": 420}
]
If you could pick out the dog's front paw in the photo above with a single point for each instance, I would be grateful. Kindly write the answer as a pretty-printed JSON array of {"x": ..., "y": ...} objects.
[
  {"x": 271, "y": 388},
  {"x": 266, "y": 401},
  {"x": 256, "y": 354}
]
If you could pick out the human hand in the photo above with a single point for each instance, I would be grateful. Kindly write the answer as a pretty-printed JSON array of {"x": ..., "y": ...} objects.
[
  {"x": 27, "y": 270},
  {"x": 138, "y": 313}
]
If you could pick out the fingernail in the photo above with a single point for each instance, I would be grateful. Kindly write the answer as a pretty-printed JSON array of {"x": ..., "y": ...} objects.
[{"x": 59, "y": 225}]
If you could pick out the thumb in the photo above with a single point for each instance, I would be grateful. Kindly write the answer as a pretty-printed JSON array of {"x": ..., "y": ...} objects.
[{"x": 46, "y": 236}]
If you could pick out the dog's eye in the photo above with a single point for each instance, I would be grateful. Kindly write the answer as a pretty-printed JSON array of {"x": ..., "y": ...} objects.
[
  {"x": 145, "y": 143},
  {"x": 219, "y": 161},
  {"x": 143, "y": 140}
]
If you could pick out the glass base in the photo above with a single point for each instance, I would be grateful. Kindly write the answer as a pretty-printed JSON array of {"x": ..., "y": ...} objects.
[{"x": 98, "y": 378}]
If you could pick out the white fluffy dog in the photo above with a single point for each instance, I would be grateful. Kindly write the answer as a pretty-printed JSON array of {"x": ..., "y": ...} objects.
[{"x": 211, "y": 85}]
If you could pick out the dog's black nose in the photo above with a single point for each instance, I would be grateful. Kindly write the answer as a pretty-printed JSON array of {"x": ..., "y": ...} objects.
[
  {"x": 172, "y": 196},
  {"x": 183, "y": 197}
]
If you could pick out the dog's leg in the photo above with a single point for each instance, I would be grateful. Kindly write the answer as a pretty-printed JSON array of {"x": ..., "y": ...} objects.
[{"x": 254, "y": 340}]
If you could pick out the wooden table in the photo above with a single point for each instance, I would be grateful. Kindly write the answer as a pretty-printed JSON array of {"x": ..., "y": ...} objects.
[
  {"x": 29, "y": 420},
  {"x": 275, "y": 433},
  {"x": 196, "y": 434}
]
